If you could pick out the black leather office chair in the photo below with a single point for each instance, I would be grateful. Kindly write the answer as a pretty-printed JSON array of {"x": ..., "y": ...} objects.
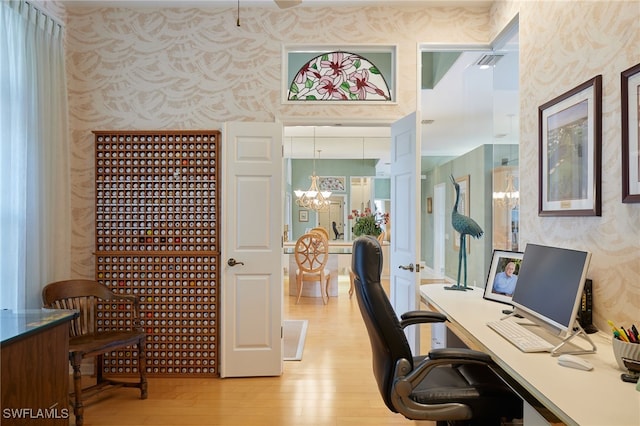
[{"x": 449, "y": 385}]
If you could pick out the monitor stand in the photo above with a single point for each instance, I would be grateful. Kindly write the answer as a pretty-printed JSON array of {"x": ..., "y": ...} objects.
[
  {"x": 510, "y": 312},
  {"x": 577, "y": 331}
]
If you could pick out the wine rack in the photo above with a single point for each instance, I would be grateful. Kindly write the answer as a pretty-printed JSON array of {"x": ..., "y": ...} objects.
[{"x": 157, "y": 237}]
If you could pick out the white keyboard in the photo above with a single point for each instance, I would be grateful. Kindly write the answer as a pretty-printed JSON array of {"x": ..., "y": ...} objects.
[{"x": 520, "y": 337}]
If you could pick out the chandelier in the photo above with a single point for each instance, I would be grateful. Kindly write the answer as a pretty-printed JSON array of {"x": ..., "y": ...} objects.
[
  {"x": 510, "y": 197},
  {"x": 313, "y": 198}
]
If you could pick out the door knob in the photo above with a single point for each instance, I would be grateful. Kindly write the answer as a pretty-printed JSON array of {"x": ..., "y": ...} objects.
[
  {"x": 408, "y": 267},
  {"x": 233, "y": 262}
]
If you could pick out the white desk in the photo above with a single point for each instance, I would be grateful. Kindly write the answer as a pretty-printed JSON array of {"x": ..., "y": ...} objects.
[{"x": 597, "y": 397}]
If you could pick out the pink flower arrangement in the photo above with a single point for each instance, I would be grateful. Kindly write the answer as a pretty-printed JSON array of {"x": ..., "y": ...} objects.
[{"x": 368, "y": 222}]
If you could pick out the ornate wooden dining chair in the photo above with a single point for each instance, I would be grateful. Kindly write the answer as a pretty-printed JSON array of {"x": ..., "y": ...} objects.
[
  {"x": 312, "y": 254},
  {"x": 88, "y": 339},
  {"x": 321, "y": 230},
  {"x": 352, "y": 282}
]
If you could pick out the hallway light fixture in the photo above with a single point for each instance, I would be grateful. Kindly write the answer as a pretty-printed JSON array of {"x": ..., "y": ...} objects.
[
  {"x": 313, "y": 198},
  {"x": 510, "y": 197}
]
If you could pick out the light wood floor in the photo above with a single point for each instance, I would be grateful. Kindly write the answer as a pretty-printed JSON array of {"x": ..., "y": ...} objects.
[{"x": 333, "y": 385}]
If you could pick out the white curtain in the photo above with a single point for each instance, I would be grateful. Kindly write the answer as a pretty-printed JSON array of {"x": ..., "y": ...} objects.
[{"x": 34, "y": 156}]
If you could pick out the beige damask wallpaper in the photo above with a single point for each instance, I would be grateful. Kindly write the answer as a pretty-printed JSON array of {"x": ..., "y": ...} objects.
[
  {"x": 194, "y": 68},
  {"x": 563, "y": 44}
]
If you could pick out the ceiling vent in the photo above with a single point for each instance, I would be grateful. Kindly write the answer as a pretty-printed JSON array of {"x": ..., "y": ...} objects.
[{"x": 488, "y": 60}]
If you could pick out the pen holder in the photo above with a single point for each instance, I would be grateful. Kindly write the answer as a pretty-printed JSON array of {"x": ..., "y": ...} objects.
[{"x": 625, "y": 350}]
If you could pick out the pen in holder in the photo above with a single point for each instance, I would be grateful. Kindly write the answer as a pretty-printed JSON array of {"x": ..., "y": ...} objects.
[{"x": 625, "y": 350}]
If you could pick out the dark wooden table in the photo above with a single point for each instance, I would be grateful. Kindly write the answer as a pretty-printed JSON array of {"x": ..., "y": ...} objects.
[{"x": 34, "y": 354}]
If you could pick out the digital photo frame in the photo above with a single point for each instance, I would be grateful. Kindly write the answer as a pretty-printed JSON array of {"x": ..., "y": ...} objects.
[{"x": 503, "y": 275}]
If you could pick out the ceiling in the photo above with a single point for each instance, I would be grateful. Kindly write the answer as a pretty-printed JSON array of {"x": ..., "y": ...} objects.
[{"x": 273, "y": 3}]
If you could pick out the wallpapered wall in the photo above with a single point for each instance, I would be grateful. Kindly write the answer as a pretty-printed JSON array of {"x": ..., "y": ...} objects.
[
  {"x": 563, "y": 44},
  {"x": 194, "y": 68}
]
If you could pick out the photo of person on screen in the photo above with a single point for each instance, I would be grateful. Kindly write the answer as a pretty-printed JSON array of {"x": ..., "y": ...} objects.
[{"x": 505, "y": 281}]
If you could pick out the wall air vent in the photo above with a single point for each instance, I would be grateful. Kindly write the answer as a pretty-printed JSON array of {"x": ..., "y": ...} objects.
[{"x": 489, "y": 60}]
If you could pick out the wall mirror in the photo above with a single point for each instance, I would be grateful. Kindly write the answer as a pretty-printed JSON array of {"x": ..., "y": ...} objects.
[
  {"x": 470, "y": 129},
  {"x": 332, "y": 219}
]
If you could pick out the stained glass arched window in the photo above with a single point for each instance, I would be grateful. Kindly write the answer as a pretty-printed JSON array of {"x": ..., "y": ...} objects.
[{"x": 339, "y": 76}]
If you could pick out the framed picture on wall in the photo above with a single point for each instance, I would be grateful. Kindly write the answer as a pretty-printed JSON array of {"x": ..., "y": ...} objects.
[
  {"x": 303, "y": 216},
  {"x": 503, "y": 275},
  {"x": 332, "y": 183},
  {"x": 630, "y": 97},
  {"x": 570, "y": 146},
  {"x": 463, "y": 208}
]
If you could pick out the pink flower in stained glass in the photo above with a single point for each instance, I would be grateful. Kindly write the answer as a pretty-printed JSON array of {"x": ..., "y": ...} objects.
[
  {"x": 361, "y": 84},
  {"x": 328, "y": 89},
  {"x": 338, "y": 76},
  {"x": 338, "y": 65},
  {"x": 304, "y": 72}
]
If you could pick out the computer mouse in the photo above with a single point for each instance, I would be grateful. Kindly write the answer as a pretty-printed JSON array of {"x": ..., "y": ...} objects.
[{"x": 573, "y": 361}]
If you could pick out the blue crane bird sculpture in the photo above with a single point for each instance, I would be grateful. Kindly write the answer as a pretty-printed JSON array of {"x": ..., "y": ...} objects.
[{"x": 465, "y": 226}]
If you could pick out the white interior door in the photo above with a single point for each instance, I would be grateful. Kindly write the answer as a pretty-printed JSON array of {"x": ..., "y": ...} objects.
[
  {"x": 405, "y": 200},
  {"x": 251, "y": 292}
]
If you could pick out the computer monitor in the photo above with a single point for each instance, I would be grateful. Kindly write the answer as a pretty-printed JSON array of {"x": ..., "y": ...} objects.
[{"x": 550, "y": 285}]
